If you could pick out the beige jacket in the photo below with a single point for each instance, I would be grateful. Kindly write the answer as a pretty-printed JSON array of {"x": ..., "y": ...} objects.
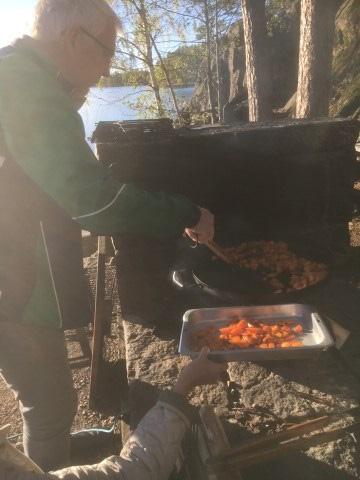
[{"x": 149, "y": 454}]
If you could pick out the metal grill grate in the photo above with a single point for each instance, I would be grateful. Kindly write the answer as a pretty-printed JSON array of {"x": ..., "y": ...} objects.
[{"x": 129, "y": 131}]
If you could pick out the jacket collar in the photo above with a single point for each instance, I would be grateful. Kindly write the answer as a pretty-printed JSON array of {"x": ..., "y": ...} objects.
[{"x": 29, "y": 45}]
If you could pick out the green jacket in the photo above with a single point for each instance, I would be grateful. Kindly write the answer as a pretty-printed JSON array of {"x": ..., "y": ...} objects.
[{"x": 45, "y": 136}]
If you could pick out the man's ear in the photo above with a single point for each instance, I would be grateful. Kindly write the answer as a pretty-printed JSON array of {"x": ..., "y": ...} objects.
[{"x": 70, "y": 38}]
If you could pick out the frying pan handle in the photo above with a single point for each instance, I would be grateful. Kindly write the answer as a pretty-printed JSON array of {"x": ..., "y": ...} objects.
[{"x": 178, "y": 279}]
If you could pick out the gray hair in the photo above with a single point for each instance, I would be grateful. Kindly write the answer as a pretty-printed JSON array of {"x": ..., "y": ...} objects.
[{"x": 53, "y": 17}]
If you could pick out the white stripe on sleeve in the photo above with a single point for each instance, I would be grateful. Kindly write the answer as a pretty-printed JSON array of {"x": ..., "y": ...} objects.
[{"x": 96, "y": 212}]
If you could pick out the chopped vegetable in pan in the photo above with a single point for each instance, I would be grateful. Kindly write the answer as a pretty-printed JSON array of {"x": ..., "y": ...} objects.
[{"x": 249, "y": 334}]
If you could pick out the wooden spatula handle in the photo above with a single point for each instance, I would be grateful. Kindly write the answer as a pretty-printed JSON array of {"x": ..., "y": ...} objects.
[{"x": 217, "y": 250}]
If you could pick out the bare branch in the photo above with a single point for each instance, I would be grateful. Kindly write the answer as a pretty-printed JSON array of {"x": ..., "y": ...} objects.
[
  {"x": 179, "y": 13},
  {"x": 129, "y": 54}
]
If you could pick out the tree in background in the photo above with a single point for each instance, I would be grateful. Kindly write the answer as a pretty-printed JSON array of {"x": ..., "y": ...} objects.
[
  {"x": 258, "y": 77},
  {"x": 182, "y": 65},
  {"x": 144, "y": 22},
  {"x": 136, "y": 46},
  {"x": 149, "y": 24},
  {"x": 317, "y": 26},
  {"x": 209, "y": 72},
  {"x": 211, "y": 22}
]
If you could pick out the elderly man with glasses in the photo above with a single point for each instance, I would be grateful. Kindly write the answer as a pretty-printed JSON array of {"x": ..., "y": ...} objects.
[{"x": 52, "y": 186}]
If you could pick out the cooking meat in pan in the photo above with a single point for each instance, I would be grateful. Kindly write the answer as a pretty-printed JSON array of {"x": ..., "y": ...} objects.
[{"x": 279, "y": 267}]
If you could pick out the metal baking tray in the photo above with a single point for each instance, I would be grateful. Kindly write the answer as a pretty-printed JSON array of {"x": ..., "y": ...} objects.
[{"x": 316, "y": 337}]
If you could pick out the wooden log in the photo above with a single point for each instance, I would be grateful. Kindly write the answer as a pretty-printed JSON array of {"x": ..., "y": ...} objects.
[
  {"x": 270, "y": 440},
  {"x": 99, "y": 314},
  {"x": 302, "y": 443}
]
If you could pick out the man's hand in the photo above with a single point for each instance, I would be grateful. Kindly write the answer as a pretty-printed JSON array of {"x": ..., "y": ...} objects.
[
  {"x": 200, "y": 371},
  {"x": 203, "y": 231}
]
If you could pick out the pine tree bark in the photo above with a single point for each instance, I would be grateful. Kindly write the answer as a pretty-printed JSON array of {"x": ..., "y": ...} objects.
[
  {"x": 210, "y": 79},
  {"x": 317, "y": 25},
  {"x": 258, "y": 76}
]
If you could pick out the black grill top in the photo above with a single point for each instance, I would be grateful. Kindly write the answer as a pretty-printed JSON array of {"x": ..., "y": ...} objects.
[
  {"x": 288, "y": 137},
  {"x": 133, "y": 131}
]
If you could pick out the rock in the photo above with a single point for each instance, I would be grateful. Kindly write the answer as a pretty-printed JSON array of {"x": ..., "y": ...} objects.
[{"x": 346, "y": 61}]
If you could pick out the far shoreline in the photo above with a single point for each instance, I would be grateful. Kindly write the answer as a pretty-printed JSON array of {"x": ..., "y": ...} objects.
[{"x": 141, "y": 86}]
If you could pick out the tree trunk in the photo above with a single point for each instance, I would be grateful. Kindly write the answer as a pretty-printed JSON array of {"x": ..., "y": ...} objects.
[
  {"x": 149, "y": 59},
  {"x": 167, "y": 76},
  {"x": 317, "y": 25},
  {"x": 218, "y": 78},
  {"x": 156, "y": 89},
  {"x": 210, "y": 80},
  {"x": 258, "y": 76}
]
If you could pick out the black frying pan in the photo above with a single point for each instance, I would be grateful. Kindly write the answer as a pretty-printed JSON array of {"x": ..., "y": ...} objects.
[{"x": 234, "y": 284}]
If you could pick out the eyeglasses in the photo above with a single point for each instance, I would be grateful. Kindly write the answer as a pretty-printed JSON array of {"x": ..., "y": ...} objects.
[{"x": 108, "y": 51}]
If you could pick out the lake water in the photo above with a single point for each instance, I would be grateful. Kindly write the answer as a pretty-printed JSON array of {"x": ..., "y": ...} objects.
[{"x": 123, "y": 103}]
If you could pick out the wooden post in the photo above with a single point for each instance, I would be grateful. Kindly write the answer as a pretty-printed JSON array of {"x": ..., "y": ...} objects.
[{"x": 99, "y": 313}]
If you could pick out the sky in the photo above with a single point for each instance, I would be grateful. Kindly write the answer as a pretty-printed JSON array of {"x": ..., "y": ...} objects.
[{"x": 15, "y": 19}]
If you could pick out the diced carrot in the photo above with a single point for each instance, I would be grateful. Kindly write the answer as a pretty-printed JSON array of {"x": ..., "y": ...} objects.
[
  {"x": 243, "y": 323},
  {"x": 244, "y": 334},
  {"x": 224, "y": 330},
  {"x": 244, "y": 343},
  {"x": 279, "y": 334},
  {"x": 237, "y": 330},
  {"x": 236, "y": 340}
]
